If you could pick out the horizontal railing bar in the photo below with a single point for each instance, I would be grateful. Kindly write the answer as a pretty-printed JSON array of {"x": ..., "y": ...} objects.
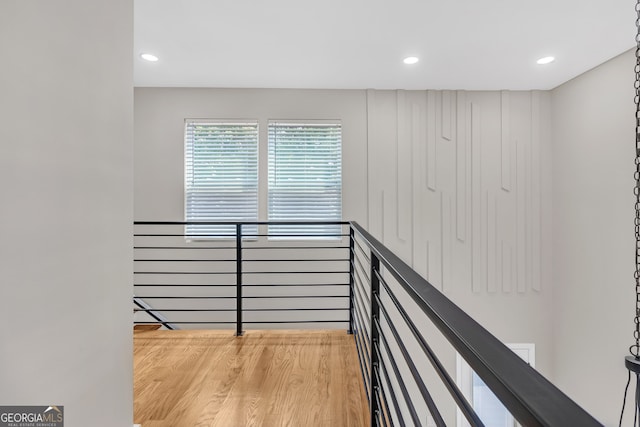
[
  {"x": 183, "y": 272},
  {"x": 363, "y": 358},
  {"x": 380, "y": 415},
  {"x": 277, "y": 235},
  {"x": 247, "y": 297},
  {"x": 296, "y": 272},
  {"x": 184, "y": 260},
  {"x": 181, "y": 297},
  {"x": 364, "y": 253},
  {"x": 396, "y": 371},
  {"x": 184, "y": 247},
  {"x": 161, "y": 285},
  {"x": 531, "y": 398},
  {"x": 296, "y": 309},
  {"x": 294, "y": 247},
  {"x": 392, "y": 392},
  {"x": 190, "y": 236},
  {"x": 186, "y": 310},
  {"x": 365, "y": 297},
  {"x": 384, "y": 399},
  {"x": 295, "y": 296},
  {"x": 365, "y": 342},
  {"x": 187, "y": 323},
  {"x": 410, "y": 363},
  {"x": 309, "y": 285},
  {"x": 261, "y": 322},
  {"x": 365, "y": 380},
  {"x": 228, "y": 236},
  {"x": 362, "y": 312},
  {"x": 361, "y": 280},
  {"x": 364, "y": 338},
  {"x": 296, "y": 321},
  {"x": 365, "y": 269},
  {"x": 366, "y": 288},
  {"x": 246, "y": 261},
  {"x": 241, "y": 223},
  {"x": 359, "y": 303},
  {"x": 455, "y": 392},
  {"x": 360, "y": 269}
]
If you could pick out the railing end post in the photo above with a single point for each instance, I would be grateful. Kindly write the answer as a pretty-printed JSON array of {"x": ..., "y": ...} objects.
[
  {"x": 239, "y": 331},
  {"x": 351, "y": 277}
]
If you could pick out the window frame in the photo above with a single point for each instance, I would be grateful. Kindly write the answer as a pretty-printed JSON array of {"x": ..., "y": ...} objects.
[
  {"x": 189, "y": 236},
  {"x": 335, "y": 123}
]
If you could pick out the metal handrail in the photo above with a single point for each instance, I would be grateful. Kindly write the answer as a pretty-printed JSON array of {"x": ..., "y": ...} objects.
[{"x": 529, "y": 396}]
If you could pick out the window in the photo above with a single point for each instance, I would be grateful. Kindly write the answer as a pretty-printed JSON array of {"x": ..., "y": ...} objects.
[
  {"x": 305, "y": 177},
  {"x": 221, "y": 175}
]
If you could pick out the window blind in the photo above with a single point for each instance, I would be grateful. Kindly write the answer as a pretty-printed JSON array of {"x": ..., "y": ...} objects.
[
  {"x": 221, "y": 176},
  {"x": 305, "y": 177}
]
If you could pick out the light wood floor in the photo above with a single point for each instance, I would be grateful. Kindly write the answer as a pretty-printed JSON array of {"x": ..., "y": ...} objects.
[{"x": 275, "y": 378}]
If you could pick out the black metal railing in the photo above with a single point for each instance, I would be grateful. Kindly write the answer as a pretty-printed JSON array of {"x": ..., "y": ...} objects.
[
  {"x": 263, "y": 275},
  {"x": 249, "y": 274},
  {"x": 388, "y": 299}
]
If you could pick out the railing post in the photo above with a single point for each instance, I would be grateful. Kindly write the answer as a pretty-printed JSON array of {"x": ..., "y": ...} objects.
[
  {"x": 375, "y": 340},
  {"x": 351, "y": 274},
  {"x": 239, "y": 331}
]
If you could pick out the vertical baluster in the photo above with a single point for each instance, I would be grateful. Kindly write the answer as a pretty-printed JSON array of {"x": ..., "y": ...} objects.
[
  {"x": 239, "y": 331},
  {"x": 351, "y": 274},
  {"x": 375, "y": 340}
]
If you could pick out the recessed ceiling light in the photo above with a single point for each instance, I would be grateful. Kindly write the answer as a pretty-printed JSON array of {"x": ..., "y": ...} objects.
[
  {"x": 410, "y": 60},
  {"x": 148, "y": 57},
  {"x": 546, "y": 60}
]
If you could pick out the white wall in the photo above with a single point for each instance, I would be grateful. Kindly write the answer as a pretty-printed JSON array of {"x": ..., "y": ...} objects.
[
  {"x": 159, "y": 139},
  {"x": 593, "y": 264},
  {"x": 458, "y": 187},
  {"x": 65, "y": 221}
]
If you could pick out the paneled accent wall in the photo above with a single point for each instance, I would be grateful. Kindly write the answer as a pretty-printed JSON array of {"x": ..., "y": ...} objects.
[{"x": 455, "y": 184}]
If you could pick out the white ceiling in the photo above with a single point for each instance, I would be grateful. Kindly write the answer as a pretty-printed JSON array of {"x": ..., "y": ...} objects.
[{"x": 355, "y": 44}]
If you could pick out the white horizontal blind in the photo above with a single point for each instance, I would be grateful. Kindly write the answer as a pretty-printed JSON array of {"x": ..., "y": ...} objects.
[
  {"x": 221, "y": 176},
  {"x": 305, "y": 177}
]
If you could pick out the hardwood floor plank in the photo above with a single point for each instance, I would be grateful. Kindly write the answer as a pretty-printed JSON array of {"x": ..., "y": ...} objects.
[{"x": 266, "y": 378}]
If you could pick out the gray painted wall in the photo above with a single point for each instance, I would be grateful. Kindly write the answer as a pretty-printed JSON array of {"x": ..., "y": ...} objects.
[
  {"x": 461, "y": 193},
  {"x": 593, "y": 151},
  {"x": 159, "y": 139},
  {"x": 66, "y": 172}
]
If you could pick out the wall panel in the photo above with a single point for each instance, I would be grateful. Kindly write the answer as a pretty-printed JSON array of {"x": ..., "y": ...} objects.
[{"x": 464, "y": 190}]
